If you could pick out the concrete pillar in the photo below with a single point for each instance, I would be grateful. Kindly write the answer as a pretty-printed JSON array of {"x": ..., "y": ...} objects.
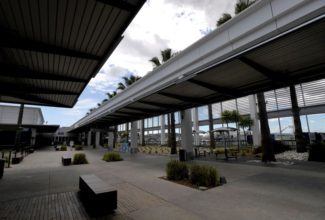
[
  {"x": 33, "y": 137},
  {"x": 162, "y": 130},
  {"x": 134, "y": 137},
  {"x": 196, "y": 128},
  {"x": 83, "y": 138},
  {"x": 254, "y": 115},
  {"x": 110, "y": 139},
  {"x": 89, "y": 139},
  {"x": 97, "y": 139},
  {"x": 186, "y": 134}
]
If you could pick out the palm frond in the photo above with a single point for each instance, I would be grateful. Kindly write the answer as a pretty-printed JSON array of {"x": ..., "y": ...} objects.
[
  {"x": 223, "y": 19},
  {"x": 155, "y": 61},
  {"x": 166, "y": 54},
  {"x": 242, "y": 5}
]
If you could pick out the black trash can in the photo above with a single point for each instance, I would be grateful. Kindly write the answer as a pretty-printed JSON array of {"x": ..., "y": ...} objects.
[
  {"x": 182, "y": 155},
  {"x": 2, "y": 166}
]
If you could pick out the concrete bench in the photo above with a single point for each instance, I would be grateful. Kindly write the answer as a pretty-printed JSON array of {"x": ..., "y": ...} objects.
[
  {"x": 98, "y": 196},
  {"x": 66, "y": 160}
]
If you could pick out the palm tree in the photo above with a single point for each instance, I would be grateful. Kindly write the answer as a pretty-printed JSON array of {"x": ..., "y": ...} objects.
[
  {"x": 122, "y": 86},
  {"x": 111, "y": 95},
  {"x": 300, "y": 141},
  {"x": 226, "y": 117},
  {"x": 90, "y": 111},
  {"x": 210, "y": 113},
  {"x": 267, "y": 145},
  {"x": 235, "y": 117},
  {"x": 165, "y": 56},
  {"x": 245, "y": 122},
  {"x": 223, "y": 19},
  {"x": 242, "y": 5}
]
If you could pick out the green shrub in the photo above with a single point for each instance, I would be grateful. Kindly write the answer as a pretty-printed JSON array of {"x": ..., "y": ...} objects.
[
  {"x": 80, "y": 158},
  {"x": 63, "y": 148},
  {"x": 176, "y": 170},
  {"x": 204, "y": 175},
  {"x": 112, "y": 156},
  {"x": 78, "y": 147}
]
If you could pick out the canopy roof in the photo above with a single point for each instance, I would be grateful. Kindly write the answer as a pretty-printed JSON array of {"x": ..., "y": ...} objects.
[
  {"x": 39, "y": 128},
  {"x": 273, "y": 44},
  {"x": 49, "y": 50}
]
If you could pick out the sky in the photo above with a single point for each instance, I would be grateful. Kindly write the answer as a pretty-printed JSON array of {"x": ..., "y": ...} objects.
[{"x": 160, "y": 24}]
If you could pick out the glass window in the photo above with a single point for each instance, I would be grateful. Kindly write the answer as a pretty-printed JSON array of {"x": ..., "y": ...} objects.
[
  {"x": 317, "y": 122},
  {"x": 304, "y": 124},
  {"x": 203, "y": 113},
  {"x": 274, "y": 126},
  {"x": 287, "y": 126},
  {"x": 177, "y": 118},
  {"x": 155, "y": 121},
  {"x": 216, "y": 110}
]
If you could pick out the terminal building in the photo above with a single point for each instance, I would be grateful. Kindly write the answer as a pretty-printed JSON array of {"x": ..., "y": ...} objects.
[
  {"x": 35, "y": 131},
  {"x": 310, "y": 100},
  {"x": 270, "y": 46}
]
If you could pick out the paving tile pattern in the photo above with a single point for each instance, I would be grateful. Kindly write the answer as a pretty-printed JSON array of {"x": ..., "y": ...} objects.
[{"x": 66, "y": 205}]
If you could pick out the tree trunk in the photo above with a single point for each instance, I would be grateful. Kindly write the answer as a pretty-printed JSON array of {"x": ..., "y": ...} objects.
[
  {"x": 267, "y": 145},
  {"x": 212, "y": 141},
  {"x": 127, "y": 132},
  {"x": 114, "y": 136},
  {"x": 300, "y": 141},
  {"x": 142, "y": 133},
  {"x": 238, "y": 136},
  {"x": 172, "y": 134},
  {"x": 245, "y": 136}
]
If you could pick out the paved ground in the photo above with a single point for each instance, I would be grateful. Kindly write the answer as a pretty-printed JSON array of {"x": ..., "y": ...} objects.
[{"x": 41, "y": 188}]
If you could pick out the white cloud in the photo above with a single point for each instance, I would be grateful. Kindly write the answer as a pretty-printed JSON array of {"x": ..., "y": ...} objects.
[
  {"x": 161, "y": 24},
  {"x": 107, "y": 79},
  {"x": 81, "y": 108}
]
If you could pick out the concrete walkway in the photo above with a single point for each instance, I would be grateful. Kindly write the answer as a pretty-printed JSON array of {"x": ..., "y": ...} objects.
[{"x": 252, "y": 192}]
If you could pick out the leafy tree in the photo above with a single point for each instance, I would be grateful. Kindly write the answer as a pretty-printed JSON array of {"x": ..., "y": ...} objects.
[
  {"x": 165, "y": 56},
  {"x": 223, "y": 19}
]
